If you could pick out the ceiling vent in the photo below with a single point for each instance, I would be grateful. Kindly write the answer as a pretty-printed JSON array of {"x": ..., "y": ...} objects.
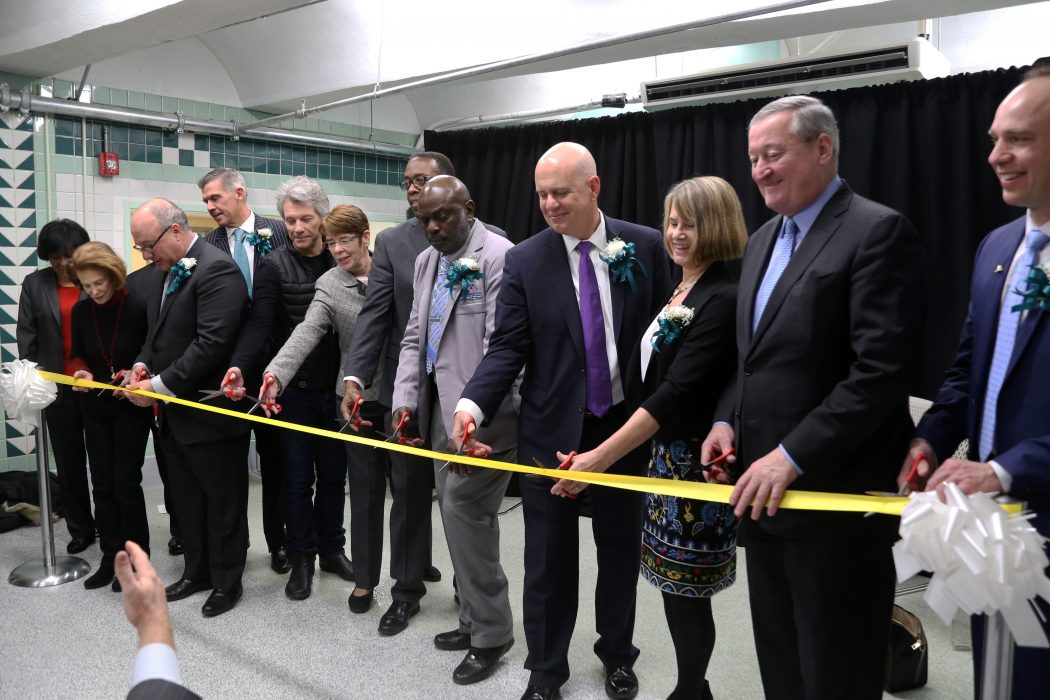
[{"x": 914, "y": 59}]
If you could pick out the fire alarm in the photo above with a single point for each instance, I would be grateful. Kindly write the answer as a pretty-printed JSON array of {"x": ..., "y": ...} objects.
[{"x": 108, "y": 163}]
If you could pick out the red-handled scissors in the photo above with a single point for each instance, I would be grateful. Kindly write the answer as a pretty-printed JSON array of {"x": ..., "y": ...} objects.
[
  {"x": 913, "y": 473},
  {"x": 563, "y": 466},
  {"x": 401, "y": 439},
  {"x": 469, "y": 451},
  {"x": 223, "y": 390},
  {"x": 355, "y": 415},
  {"x": 268, "y": 406}
]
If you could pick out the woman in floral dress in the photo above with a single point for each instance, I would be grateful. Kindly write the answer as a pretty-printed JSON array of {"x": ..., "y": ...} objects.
[{"x": 674, "y": 379}]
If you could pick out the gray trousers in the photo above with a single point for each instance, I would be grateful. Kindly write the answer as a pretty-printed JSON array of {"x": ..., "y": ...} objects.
[{"x": 469, "y": 506}]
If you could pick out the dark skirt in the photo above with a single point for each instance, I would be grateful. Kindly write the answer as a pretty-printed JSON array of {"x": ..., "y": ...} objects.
[{"x": 688, "y": 546}]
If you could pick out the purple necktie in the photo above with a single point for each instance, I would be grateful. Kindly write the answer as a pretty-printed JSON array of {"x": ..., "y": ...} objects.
[{"x": 599, "y": 385}]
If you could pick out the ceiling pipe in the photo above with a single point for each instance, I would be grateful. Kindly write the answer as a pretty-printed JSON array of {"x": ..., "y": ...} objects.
[
  {"x": 25, "y": 102},
  {"x": 474, "y": 71},
  {"x": 610, "y": 101}
]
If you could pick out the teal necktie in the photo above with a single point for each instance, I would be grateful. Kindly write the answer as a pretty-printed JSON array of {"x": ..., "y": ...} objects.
[
  {"x": 440, "y": 300},
  {"x": 240, "y": 256}
]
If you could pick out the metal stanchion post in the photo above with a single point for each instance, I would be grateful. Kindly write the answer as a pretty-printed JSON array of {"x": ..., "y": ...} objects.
[
  {"x": 997, "y": 661},
  {"x": 51, "y": 570}
]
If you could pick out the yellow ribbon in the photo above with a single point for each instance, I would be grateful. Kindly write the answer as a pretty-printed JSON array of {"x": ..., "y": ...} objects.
[{"x": 718, "y": 493}]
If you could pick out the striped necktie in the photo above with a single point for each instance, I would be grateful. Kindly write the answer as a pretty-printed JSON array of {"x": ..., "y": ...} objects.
[
  {"x": 440, "y": 301},
  {"x": 778, "y": 262},
  {"x": 240, "y": 256},
  {"x": 1005, "y": 337}
]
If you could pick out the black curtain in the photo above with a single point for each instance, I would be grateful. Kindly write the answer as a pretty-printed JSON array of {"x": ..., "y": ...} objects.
[{"x": 920, "y": 147}]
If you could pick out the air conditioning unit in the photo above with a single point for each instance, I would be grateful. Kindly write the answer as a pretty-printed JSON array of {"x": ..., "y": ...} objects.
[{"x": 914, "y": 59}]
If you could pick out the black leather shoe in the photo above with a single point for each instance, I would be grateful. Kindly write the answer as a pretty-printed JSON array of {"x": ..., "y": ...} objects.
[
  {"x": 395, "y": 619},
  {"x": 101, "y": 578},
  {"x": 431, "y": 574},
  {"x": 116, "y": 585},
  {"x": 620, "y": 682},
  {"x": 184, "y": 588},
  {"x": 479, "y": 663},
  {"x": 453, "y": 641},
  {"x": 279, "y": 561},
  {"x": 220, "y": 602},
  {"x": 538, "y": 692},
  {"x": 79, "y": 544},
  {"x": 300, "y": 582},
  {"x": 360, "y": 603},
  {"x": 175, "y": 547},
  {"x": 338, "y": 564}
]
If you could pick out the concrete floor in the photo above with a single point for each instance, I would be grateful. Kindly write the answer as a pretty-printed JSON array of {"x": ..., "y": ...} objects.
[{"x": 66, "y": 642}]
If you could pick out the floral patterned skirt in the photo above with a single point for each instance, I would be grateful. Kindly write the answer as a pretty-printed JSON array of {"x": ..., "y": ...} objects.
[{"x": 688, "y": 546}]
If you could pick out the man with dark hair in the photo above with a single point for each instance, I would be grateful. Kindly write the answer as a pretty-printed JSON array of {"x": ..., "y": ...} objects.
[
  {"x": 828, "y": 309},
  {"x": 247, "y": 238},
  {"x": 196, "y": 301},
  {"x": 45, "y": 309},
  {"x": 994, "y": 394},
  {"x": 374, "y": 356}
]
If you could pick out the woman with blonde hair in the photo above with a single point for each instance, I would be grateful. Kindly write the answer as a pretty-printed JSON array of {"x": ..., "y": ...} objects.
[
  {"x": 674, "y": 379},
  {"x": 109, "y": 329}
]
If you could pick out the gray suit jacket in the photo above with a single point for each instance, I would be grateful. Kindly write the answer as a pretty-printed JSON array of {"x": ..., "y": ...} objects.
[
  {"x": 463, "y": 343},
  {"x": 160, "y": 689},
  {"x": 39, "y": 329},
  {"x": 387, "y": 306},
  {"x": 337, "y": 302}
]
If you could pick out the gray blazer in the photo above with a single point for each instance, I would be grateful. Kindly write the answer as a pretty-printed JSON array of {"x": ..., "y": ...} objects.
[
  {"x": 387, "y": 306},
  {"x": 463, "y": 344},
  {"x": 160, "y": 689},
  {"x": 337, "y": 302},
  {"x": 39, "y": 329}
]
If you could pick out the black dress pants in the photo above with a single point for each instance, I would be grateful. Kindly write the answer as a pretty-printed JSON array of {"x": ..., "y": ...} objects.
[
  {"x": 552, "y": 569},
  {"x": 367, "y": 468},
  {"x": 66, "y": 427}
]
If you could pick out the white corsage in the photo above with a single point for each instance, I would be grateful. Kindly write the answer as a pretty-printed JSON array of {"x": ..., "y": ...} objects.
[
  {"x": 984, "y": 560},
  {"x": 180, "y": 272},
  {"x": 463, "y": 272},
  {"x": 260, "y": 240},
  {"x": 671, "y": 322},
  {"x": 619, "y": 256}
]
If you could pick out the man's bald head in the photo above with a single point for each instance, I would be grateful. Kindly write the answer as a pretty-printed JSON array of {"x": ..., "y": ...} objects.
[
  {"x": 567, "y": 185},
  {"x": 1021, "y": 152},
  {"x": 161, "y": 232},
  {"x": 447, "y": 213}
]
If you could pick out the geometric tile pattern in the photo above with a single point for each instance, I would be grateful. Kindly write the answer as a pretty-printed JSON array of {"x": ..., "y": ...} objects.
[
  {"x": 161, "y": 146},
  {"x": 18, "y": 225}
]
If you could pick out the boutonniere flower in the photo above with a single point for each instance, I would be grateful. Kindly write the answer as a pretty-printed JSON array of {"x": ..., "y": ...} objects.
[
  {"x": 260, "y": 240},
  {"x": 619, "y": 256},
  {"x": 463, "y": 272},
  {"x": 181, "y": 271},
  {"x": 671, "y": 321},
  {"x": 1036, "y": 290}
]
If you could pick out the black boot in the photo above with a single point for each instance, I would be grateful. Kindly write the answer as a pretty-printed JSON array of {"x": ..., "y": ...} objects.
[
  {"x": 103, "y": 575},
  {"x": 302, "y": 576}
]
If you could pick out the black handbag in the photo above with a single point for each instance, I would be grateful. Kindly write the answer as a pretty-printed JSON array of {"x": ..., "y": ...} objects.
[{"x": 907, "y": 661}]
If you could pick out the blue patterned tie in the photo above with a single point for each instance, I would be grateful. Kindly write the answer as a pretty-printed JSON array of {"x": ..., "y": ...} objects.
[
  {"x": 1005, "y": 337},
  {"x": 240, "y": 256},
  {"x": 599, "y": 383},
  {"x": 778, "y": 262},
  {"x": 440, "y": 299}
]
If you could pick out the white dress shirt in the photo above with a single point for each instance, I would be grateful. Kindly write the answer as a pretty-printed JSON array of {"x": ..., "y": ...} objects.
[{"x": 155, "y": 660}]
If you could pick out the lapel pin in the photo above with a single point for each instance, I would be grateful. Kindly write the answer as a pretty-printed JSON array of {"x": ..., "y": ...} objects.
[{"x": 998, "y": 269}]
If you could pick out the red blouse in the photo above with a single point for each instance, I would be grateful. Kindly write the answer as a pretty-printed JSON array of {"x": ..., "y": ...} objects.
[{"x": 67, "y": 297}]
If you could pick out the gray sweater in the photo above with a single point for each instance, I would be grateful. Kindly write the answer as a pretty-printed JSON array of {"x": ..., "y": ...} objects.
[{"x": 337, "y": 301}]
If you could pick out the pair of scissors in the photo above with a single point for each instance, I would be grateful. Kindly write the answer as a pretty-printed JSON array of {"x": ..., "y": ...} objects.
[
  {"x": 223, "y": 390},
  {"x": 561, "y": 467},
  {"x": 401, "y": 439},
  {"x": 117, "y": 378},
  {"x": 705, "y": 468},
  {"x": 269, "y": 406},
  {"x": 355, "y": 415},
  {"x": 909, "y": 483},
  {"x": 463, "y": 443}
]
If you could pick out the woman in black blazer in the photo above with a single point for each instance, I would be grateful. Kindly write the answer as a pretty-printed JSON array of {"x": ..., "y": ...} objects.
[
  {"x": 44, "y": 335},
  {"x": 109, "y": 328},
  {"x": 673, "y": 380}
]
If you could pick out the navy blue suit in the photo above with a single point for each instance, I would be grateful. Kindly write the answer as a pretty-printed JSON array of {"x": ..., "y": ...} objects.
[
  {"x": 1022, "y": 427},
  {"x": 538, "y": 327}
]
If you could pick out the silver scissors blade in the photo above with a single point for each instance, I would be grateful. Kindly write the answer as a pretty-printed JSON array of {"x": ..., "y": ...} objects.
[{"x": 209, "y": 395}]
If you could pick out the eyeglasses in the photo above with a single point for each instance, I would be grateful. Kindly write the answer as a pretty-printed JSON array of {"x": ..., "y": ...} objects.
[
  {"x": 418, "y": 181},
  {"x": 149, "y": 248},
  {"x": 343, "y": 241}
]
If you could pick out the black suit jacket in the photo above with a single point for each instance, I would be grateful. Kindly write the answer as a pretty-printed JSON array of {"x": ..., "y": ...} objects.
[
  {"x": 538, "y": 327},
  {"x": 685, "y": 379},
  {"x": 160, "y": 689},
  {"x": 39, "y": 328},
  {"x": 828, "y": 370},
  {"x": 218, "y": 238},
  {"x": 191, "y": 338}
]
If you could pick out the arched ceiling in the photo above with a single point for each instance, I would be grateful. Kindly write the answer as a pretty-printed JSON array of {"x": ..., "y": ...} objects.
[{"x": 270, "y": 54}]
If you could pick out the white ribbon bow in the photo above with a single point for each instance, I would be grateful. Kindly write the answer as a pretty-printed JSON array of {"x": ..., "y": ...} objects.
[{"x": 23, "y": 392}]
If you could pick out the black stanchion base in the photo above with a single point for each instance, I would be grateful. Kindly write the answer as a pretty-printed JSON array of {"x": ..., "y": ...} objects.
[{"x": 36, "y": 574}]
